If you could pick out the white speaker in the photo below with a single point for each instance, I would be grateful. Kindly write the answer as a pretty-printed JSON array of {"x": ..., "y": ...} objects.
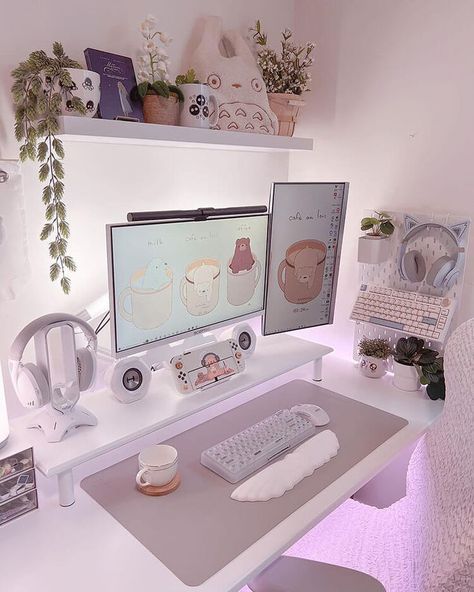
[
  {"x": 245, "y": 337},
  {"x": 128, "y": 379}
]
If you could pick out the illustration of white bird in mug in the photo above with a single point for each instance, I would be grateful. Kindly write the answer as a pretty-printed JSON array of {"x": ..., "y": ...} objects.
[{"x": 157, "y": 275}]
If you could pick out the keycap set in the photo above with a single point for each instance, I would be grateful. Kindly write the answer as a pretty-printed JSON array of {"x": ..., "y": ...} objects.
[{"x": 410, "y": 312}]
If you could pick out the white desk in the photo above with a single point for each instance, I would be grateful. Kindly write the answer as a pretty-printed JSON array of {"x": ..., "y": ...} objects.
[{"x": 83, "y": 547}]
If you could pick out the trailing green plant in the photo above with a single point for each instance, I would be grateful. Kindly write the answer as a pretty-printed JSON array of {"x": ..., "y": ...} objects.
[
  {"x": 289, "y": 71},
  {"x": 40, "y": 85},
  {"x": 375, "y": 348},
  {"x": 188, "y": 78},
  {"x": 379, "y": 225},
  {"x": 154, "y": 62},
  {"x": 411, "y": 351}
]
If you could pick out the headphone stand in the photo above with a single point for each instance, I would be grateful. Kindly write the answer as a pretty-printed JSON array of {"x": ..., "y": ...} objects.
[{"x": 56, "y": 424}]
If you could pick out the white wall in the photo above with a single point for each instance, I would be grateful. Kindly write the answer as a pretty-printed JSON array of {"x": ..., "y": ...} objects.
[
  {"x": 104, "y": 182},
  {"x": 391, "y": 112}
]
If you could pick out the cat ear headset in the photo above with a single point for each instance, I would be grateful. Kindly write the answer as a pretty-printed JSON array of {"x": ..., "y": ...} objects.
[
  {"x": 443, "y": 273},
  {"x": 29, "y": 381}
]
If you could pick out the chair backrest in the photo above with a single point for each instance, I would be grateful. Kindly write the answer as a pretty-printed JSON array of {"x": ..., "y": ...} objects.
[{"x": 440, "y": 484}]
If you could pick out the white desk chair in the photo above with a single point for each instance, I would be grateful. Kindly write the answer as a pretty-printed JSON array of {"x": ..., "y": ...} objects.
[
  {"x": 424, "y": 542},
  {"x": 289, "y": 574}
]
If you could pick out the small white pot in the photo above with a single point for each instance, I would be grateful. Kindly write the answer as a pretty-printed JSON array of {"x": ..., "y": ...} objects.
[
  {"x": 85, "y": 85},
  {"x": 372, "y": 367},
  {"x": 405, "y": 377},
  {"x": 373, "y": 249}
]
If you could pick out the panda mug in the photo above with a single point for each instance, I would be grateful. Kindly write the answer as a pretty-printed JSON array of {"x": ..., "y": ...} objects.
[{"x": 199, "y": 108}]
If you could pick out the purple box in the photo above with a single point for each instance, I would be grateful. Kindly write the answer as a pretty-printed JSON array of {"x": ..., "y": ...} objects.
[{"x": 117, "y": 79}]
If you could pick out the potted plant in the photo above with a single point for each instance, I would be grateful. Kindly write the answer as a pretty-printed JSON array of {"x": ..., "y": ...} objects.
[
  {"x": 44, "y": 88},
  {"x": 286, "y": 76},
  {"x": 374, "y": 354},
  {"x": 160, "y": 98},
  {"x": 374, "y": 246},
  {"x": 409, "y": 359},
  {"x": 432, "y": 375}
]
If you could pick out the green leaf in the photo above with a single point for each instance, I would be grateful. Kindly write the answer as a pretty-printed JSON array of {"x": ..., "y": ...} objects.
[
  {"x": 62, "y": 246},
  {"x": 160, "y": 88},
  {"x": 53, "y": 250},
  {"x": 387, "y": 228},
  {"x": 47, "y": 194},
  {"x": 368, "y": 223},
  {"x": 177, "y": 91},
  {"x": 58, "y": 147},
  {"x": 43, "y": 172},
  {"x": 54, "y": 271},
  {"x": 46, "y": 232},
  {"x": 69, "y": 263},
  {"x": 142, "y": 89},
  {"x": 64, "y": 228},
  {"x": 50, "y": 212},
  {"x": 58, "y": 169},
  {"x": 58, "y": 188},
  {"x": 42, "y": 151},
  {"x": 60, "y": 210},
  {"x": 66, "y": 284}
]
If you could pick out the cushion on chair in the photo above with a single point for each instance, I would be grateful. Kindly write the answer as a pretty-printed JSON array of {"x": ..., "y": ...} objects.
[{"x": 289, "y": 574}]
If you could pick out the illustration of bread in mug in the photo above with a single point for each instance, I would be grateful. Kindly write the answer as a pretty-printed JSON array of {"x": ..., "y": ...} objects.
[
  {"x": 200, "y": 286},
  {"x": 300, "y": 274},
  {"x": 151, "y": 294},
  {"x": 243, "y": 273}
]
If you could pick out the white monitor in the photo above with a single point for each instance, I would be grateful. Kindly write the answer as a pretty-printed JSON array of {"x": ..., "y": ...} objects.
[
  {"x": 172, "y": 279},
  {"x": 304, "y": 248}
]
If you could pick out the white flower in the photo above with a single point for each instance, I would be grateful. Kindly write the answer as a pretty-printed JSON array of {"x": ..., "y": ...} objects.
[
  {"x": 150, "y": 46},
  {"x": 144, "y": 28},
  {"x": 161, "y": 53},
  {"x": 151, "y": 21},
  {"x": 161, "y": 65},
  {"x": 165, "y": 39}
]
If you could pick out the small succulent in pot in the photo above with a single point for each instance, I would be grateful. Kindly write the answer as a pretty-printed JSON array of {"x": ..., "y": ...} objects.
[
  {"x": 188, "y": 78},
  {"x": 414, "y": 364},
  {"x": 380, "y": 225},
  {"x": 374, "y": 354}
]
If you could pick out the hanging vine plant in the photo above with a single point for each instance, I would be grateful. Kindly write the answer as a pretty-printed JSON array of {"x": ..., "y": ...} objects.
[{"x": 41, "y": 83}]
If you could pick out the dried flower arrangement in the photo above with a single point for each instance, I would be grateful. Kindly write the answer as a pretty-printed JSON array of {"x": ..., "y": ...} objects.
[{"x": 375, "y": 348}]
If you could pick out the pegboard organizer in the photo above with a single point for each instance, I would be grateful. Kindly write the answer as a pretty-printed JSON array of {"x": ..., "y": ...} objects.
[{"x": 432, "y": 243}]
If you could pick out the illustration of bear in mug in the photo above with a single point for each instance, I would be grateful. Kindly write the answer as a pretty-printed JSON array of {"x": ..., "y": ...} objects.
[
  {"x": 150, "y": 292},
  {"x": 200, "y": 286},
  {"x": 300, "y": 274},
  {"x": 243, "y": 273}
]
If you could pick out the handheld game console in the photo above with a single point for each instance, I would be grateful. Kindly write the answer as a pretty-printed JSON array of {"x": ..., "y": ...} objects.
[{"x": 207, "y": 365}]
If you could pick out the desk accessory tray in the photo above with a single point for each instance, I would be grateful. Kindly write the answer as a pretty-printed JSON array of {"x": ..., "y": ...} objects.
[
  {"x": 174, "y": 527},
  {"x": 17, "y": 485}
]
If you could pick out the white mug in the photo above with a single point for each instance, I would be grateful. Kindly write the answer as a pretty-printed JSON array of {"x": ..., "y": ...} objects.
[
  {"x": 199, "y": 108},
  {"x": 158, "y": 465}
]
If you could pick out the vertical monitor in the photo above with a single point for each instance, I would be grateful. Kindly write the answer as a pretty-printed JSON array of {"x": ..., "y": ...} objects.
[
  {"x": 305, "y": 239},
  {"x": 171, "y": 279}
]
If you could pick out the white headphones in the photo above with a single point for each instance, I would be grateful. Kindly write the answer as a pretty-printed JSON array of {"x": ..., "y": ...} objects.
[
  {"x": 29, "y": 381},
  {"x": 444, "y": 271}
]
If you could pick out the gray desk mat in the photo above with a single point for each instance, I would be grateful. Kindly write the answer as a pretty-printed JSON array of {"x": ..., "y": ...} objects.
[{"x": 199, "y": 529}]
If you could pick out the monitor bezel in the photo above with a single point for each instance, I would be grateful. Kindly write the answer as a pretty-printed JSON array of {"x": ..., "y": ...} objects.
[
  {"x": 186, "y": 334},
  {"x": 337, "y": 261}
]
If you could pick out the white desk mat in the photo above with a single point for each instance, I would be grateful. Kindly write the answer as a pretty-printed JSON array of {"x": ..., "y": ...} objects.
[{"x": 199, "y": 529}]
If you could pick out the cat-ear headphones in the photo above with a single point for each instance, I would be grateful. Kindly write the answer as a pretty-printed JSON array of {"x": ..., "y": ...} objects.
[
  {"x": 29, "y": 381},
  {"x": 444, "y": 271}
]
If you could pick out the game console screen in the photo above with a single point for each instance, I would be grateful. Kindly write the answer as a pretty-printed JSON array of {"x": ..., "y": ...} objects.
[
  {"x": 167, "y": 279},
  {"x": 307, "y": 222}
]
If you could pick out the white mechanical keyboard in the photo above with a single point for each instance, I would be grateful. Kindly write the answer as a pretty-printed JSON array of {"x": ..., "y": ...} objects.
[
  {"x": 421, "y": 315},
  {"x": 244, "y": 453}
]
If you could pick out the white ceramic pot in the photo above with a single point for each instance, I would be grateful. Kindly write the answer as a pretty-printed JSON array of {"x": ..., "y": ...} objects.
[
  {"x": 199, "y": 108},
  {"x": 86, "y": 86},
  {"x": 372, "y": 367},
  {"x": 373, "y": 249},
  {"x": 405, "y": 377}
]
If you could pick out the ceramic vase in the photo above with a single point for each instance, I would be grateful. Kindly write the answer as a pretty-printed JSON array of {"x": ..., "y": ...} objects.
[
  {"x": 161, "y": 110},
  {"x": 405, "y": 377},
  {"x": 373, "y": 249},
  {"x": 286, "y": 107},
  {"x": 86, "y": 86},
  {"x": 372, "y": 367}
]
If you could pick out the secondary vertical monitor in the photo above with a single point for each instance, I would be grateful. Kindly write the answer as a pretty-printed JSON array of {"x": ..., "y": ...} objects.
[{"x": 305, "y": 239}]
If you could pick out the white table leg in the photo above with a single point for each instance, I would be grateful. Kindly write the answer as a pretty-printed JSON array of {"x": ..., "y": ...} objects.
[
  {"x": 66, "y": 489},
  {"x": 318, "y": 370}
]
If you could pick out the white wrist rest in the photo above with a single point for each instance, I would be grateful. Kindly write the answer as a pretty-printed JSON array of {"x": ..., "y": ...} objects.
[{"x": 275, "y": 480}]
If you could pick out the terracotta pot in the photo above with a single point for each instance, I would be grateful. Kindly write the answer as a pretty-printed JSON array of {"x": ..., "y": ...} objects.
[
  {"x": 372, "y": 367},
  {"x": 405, "y": 377},
  {"x": 373, "y": 249},
  {"x": 286, "y": 107},
  {"x": 157, "y": 109}
]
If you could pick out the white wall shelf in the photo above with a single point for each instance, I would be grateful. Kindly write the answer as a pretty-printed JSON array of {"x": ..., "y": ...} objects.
[
  {"x": 84, "y": 129},
  {"x": 119, "y": 424}
]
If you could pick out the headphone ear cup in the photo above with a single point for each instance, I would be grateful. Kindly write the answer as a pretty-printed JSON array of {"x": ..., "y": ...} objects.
[
  {"x": 32, "y": 387},
  {"x": 86, "y": 367},
  {"x": 414, "y": 266},
  {"x": 440, "y": 270}
]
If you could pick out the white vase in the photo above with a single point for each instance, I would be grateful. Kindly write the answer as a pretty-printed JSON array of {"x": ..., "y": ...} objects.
[
  {"x": 372, "y": 367},
  {"x": 373, "y": 249},
  {"x": 85, "y": 85},
  {"x": 405, "y": 377}
]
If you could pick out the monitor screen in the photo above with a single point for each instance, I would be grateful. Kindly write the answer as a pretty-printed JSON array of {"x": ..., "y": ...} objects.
[
  {"x": 169, "y": 279},
  {"x": 307, "y": 222}
]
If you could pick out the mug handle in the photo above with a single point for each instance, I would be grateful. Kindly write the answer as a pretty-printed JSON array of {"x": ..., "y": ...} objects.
[
  {"x": 215, "y": 117},
  {"x": 281, "y": 269},
  {"x": 123, "y": 311},
  {"x": 139, "y": 476},
  {"x": 259, "y": 272},
  {"x": 182, "y": 291}
]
